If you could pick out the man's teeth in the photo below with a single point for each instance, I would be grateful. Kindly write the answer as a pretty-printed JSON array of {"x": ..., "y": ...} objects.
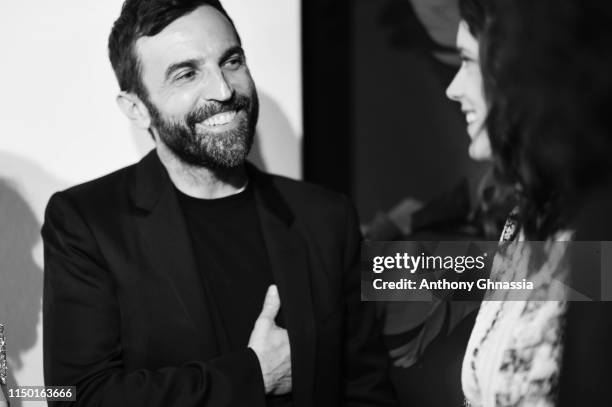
[
  {"x": 470, "y": 117},
  {"x": 220, "y": 119}
]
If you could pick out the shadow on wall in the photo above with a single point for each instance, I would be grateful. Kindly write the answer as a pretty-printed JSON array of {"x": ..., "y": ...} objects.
[
  {"x": 20, "y": 276},
  {"x": 277, "y": 147},
  {"x": 24, "y": 191}
]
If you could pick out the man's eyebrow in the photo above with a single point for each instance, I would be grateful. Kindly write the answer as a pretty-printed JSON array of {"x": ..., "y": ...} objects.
[
  {"x": 189, "y": 63},
  {"x": 236, "y": 49}
]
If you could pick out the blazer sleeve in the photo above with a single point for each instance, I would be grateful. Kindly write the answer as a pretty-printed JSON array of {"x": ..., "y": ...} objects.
[
  {"x": 366, "y": 367},
  {"x": 82, "y": 334}
]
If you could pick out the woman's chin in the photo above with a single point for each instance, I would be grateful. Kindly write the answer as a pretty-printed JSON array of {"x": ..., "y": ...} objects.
[{"x": 480, "y": 148}]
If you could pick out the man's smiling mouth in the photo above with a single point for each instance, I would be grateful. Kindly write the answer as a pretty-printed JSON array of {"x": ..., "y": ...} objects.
[{"x": 219, "y": 119}]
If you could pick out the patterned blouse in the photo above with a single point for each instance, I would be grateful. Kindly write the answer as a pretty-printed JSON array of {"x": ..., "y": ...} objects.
[{"x": 514, "y": 353}]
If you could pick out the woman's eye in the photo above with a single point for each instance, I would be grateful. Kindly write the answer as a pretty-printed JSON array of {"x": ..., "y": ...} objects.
[{"x": 468, "y": 58}]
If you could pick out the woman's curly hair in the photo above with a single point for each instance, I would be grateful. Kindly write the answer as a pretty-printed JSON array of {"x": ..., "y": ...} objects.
[{"x": 547, "y": 74}]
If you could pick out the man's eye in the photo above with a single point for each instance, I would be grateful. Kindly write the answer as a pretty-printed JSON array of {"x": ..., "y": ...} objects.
[
  {"x": 185, "y": 75},
  {"x": 234, "y": 63}
]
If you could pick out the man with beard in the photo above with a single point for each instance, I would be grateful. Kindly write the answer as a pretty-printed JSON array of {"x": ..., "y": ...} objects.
[{"x": 164, "y": 280}]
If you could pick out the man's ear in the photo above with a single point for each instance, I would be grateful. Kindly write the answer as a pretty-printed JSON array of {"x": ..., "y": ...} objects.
[{"x": 134, "y": 109}]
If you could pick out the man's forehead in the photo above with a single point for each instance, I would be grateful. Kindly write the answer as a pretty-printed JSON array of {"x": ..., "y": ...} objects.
[{"x": 203, "y": 33}]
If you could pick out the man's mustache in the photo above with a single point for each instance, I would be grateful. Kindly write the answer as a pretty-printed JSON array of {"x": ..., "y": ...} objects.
[{"x": 236, "y": 103}]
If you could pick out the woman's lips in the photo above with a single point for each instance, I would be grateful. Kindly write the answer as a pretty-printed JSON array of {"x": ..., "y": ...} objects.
[{"x": 470, "y": 117}]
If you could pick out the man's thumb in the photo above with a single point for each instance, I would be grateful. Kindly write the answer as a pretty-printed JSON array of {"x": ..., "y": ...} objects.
[{"x": 271, "y": 303}]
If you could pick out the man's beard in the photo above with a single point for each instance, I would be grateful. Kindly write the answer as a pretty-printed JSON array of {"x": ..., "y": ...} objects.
[{"x": 212, "y": 150}]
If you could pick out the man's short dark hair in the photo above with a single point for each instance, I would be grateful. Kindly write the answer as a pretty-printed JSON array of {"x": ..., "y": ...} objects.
[{"x": 141, "y": 18}]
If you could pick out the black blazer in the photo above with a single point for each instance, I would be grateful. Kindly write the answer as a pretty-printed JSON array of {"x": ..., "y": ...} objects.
[{"x": 125, "y": 314}]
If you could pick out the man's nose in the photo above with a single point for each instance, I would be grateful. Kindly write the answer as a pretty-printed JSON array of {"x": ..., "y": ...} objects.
[{"x": 217, "y": 87}]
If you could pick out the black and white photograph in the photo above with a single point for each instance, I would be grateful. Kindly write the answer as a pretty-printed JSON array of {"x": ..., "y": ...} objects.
[{"x": 307, "y": 203}]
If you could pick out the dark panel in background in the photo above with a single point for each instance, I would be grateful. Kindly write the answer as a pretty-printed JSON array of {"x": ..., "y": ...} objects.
[
  {"x": 327, "y": 89},
  {"x": 409, "y": 139},
  {"x": 377, "y": 124}
]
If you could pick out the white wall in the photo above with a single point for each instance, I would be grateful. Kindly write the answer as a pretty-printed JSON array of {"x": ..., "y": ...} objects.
[{"x": 59, "y": 126}]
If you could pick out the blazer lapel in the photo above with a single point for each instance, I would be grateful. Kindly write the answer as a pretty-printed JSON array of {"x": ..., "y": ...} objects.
[
  {"x": 287, "y": 252},
  {"x": 167, "y": 244}
]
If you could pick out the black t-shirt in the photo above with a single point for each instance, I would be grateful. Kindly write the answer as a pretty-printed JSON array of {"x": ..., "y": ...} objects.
[{"x": 232, "y": 258}]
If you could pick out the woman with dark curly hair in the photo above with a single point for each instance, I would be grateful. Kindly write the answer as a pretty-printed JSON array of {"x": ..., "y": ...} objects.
[
  {"x": 549, "y": 95},
  {"x": 549, "y": 87}
]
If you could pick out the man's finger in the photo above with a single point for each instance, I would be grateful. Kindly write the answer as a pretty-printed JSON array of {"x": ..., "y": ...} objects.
[{"x": 271, "y": 303}]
